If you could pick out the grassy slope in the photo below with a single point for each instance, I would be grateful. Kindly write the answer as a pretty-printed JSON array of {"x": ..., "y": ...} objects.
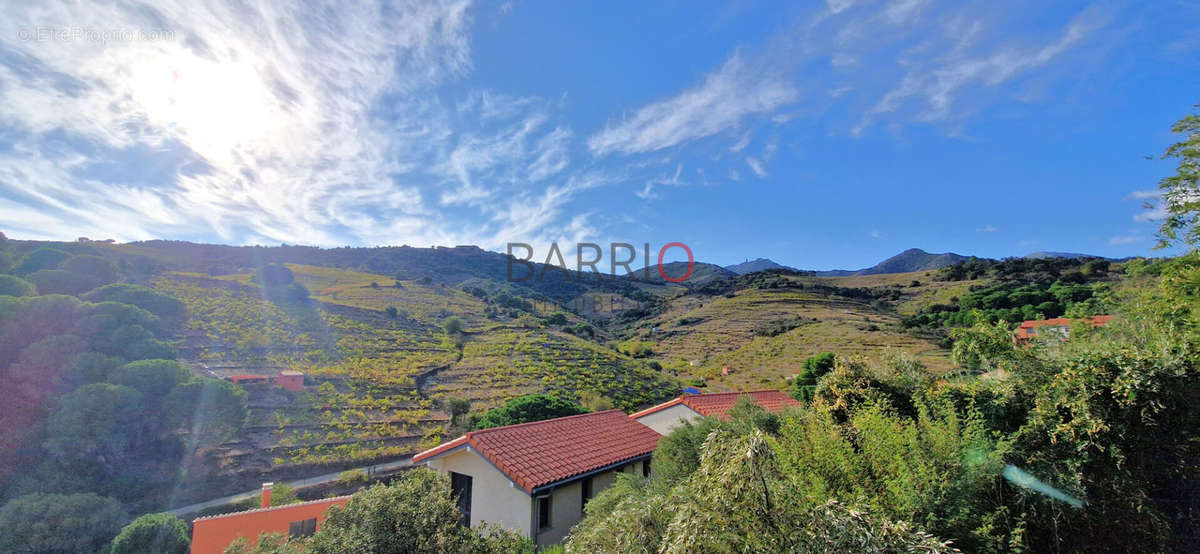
[
  {"x": 372, "y": 406},
  {"x": 698, "y": 335}
]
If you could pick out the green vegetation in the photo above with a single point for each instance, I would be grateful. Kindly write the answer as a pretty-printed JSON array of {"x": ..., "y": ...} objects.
[
  {"x": 815, "y": 367},
  {"x": 416, "y": 514},
  {"x": 1023, "y": 289},
  {"x": 161, "y": 533},
  {"x": 524, "y": 409},
  {"x": 1082, "y": 446},
  {"x": 1181, "y": 191},
  {"x": 59, "y": 523}
]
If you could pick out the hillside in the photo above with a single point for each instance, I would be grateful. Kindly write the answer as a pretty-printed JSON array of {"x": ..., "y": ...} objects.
[
  {"x": 371, "y": 330},
  {"x": 913, "y": 259},
  {"x": 751, "y": 266}
]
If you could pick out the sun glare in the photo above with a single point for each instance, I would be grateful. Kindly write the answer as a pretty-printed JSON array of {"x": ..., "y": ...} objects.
[{"x": 214, "y": 107}]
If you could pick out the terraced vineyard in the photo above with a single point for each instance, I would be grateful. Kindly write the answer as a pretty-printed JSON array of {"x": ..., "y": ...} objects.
[
  {"x": 763, "y": 335},
  {"x": 378, "y": 362}
]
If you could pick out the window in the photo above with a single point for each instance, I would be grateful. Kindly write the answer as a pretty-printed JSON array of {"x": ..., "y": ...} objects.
[
  {"x": 544, "y": 512},
  {"x": 302, "y": 528},
  {"x": 646, "y": 468},
  {"x": 460, "y": 489},
  {"x": 586, "y": 492}
]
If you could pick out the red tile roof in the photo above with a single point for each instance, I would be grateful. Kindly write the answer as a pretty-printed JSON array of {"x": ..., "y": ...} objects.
[
  {"x": 545, "y": 452},
  {"x": 1023, "y": 329},
  {"x": 718, "y": 404}
]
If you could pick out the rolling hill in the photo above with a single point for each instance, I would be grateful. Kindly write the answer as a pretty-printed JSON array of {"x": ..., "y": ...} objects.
[
  {"x": 913, "y": 259},
  {"x": 759, "y": 264}
]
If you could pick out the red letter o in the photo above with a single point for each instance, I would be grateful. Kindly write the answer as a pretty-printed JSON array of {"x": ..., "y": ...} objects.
[{"x": 691, "y": 261}]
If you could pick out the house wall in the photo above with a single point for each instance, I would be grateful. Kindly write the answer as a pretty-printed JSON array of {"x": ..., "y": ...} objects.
[
  {"x": 566, "y": 503},
  {"x": 211, "y": 535},
  {"x": 494, "y": 498},
  {"x": 667, "y": 419}
]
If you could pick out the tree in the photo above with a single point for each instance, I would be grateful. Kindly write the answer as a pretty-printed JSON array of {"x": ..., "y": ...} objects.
[
  {"x": 211, "y": 409},
  {"x": 417, "y": 514},
  {"x": 153, "y": 378},
  {"x": 531, "y": 407},
  {"x": 982, "y": 346},
  {"x": 99, "y": 421},
  {"x": 738, "y": 500},
  {"x": 268, "y": 543},
  {"x": 273, "y": 275},
  {"x": 16, "y": 286},
  {"x": 170, "y": 310},
  {"x": 59, "y": 523},
  {"x": 91, "y": 271},
  {"x": 457, "y": 407},
  {"x": 453, "y": 325},
  {"x": 391, "y": 312},
  {"x": 1181, "y": 191},
  {"x": 42, "y": 258},
  {"x": 160, "y": 533},
  {"x": 815, "y": 367}
]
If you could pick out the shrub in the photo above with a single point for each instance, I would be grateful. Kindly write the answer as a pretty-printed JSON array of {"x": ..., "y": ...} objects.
[{"x": 160, "y": 533}]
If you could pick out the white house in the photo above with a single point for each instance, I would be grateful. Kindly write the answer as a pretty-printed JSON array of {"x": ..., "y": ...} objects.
[
  {"x": 535, "y": 478},
  {"x": 690, "y": 407}
]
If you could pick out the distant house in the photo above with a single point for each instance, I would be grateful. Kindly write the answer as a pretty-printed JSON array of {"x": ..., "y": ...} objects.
[
  {"x": 212, "y": 534},
  {"x": 1058, "y": 328},
  {"x": 535, "y": 478},
  {"x": 690, "y": 407},
  {"x": 290, "y": 380},
  {"x": 248, "y": 379},
  {"x": 286, "y": 379}
]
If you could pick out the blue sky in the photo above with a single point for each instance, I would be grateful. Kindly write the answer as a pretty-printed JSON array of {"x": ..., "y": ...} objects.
[{"x": 821, "y": 135}]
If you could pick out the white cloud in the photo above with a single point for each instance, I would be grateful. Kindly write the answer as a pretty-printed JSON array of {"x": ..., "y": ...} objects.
[
  {"x": 273, "y": 122},
  {"x": 951, "y": 63},
  {"x": 673, "y": 180},
  {"x": 1145, "y": 194},
  {"x": 875, "y": 234},
  {"x": 756, "y": 166},
  {"x": 901, "y": 11},
  {"x": 1125, "y": 239},
  {"x": 987, "y": 229},
  {"x": 727, "y": 96},
  {"x": 742, "y": 142}
]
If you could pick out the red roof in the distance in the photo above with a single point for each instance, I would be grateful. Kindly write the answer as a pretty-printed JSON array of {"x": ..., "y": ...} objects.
[
  {"x": 544, "y": 452},
  {"x": 1023, "y": 329},
  {"x": 718, "y": 404}
]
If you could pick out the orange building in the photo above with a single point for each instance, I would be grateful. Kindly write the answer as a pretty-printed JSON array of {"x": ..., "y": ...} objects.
[
  {"x": 212, "y": 534},
  {"x": 290, "y": 380},
  {"x": 1059, "y": 328}
]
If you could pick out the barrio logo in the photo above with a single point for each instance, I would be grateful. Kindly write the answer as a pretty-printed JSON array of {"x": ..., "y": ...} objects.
[{"x": 595, "y": 253}]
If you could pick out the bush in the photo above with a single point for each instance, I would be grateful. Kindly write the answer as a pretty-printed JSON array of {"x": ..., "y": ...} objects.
[
  {"x": 531, "y": 407},
  {"x": 453, "y": 325},
  {"x": 273, "y": 275},
  {"x": 159, "y": 533},
  {"x": 815, "y": 367},
  {"x": 59, "y": 523},
  {"x": 16, "y": 286},
  {"x": 417, "y": 514}
]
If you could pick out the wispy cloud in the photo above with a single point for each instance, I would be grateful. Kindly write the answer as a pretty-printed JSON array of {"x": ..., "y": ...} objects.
[
  {"x": 1125, "y": 239},
  {"x": 987, "y": 229},
  {"x": 735, "y": 91},
  {"x": 269, "y": 122}
]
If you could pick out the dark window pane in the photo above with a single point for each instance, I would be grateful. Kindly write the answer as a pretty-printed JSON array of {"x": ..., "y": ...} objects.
[
  {"x": 544, "y": 512},
  {"x": 302, "y": 528},
  {"x": 460, "y": 488}
]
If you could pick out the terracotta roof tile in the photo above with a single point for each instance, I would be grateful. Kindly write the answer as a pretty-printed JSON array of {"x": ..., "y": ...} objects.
[
  {"x": 718, "y": 404},
  {"x": 544, "y": 452}
]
